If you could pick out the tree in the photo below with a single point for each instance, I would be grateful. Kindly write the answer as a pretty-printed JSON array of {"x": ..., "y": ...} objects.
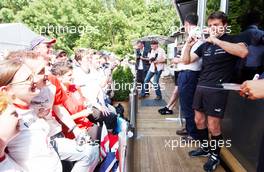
[{"x": 107, "y": 25}]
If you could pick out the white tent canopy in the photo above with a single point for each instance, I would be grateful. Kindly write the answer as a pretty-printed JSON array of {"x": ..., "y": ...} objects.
[{"x": 15, "y": 36}]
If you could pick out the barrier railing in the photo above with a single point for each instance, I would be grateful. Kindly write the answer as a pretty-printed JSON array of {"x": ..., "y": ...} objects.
[
  {"x": 127, "y": 146},
  {"x": 243, "y": 126},
  {"x": 133, "y": 105}
]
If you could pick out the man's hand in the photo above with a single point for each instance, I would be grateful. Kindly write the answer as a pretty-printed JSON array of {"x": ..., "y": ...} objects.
[
  {"x": 212, "y": 39},
  {"x": 191, "y": 41},
  {"x": 9, "y": 123},
  {"x": 253, "y": 89},
  {"x": 104, "y": 111},
  {"x": 177, "y": 60}
]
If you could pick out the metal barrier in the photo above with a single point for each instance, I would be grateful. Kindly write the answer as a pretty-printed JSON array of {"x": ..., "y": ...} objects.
[
  {"x": 133, "y": 105},
  {"x": 131, "y": 129},
  {"x": 243, "y": 125}
]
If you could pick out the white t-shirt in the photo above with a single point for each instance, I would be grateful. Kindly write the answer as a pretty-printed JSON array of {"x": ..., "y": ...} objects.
[
  {"x": 161, "y": 55},
  {"x": 31, "y": 148},
  {"x": 45, "y": 101},
  {"x": 196, "y": 65},
  {"x": 140, "y": 65},
  {"x": 89, "y": 84},
  {"x": 9, "y": 165}
]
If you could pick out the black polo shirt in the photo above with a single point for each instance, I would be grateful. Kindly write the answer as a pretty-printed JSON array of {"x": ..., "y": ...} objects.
[{"x": 218, "y": 66}]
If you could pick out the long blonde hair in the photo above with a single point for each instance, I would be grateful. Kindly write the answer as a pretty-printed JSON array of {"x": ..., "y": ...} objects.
[{"x": 4, "y": 101}]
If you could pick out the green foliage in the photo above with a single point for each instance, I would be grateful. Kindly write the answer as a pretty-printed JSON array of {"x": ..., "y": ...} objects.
[
  {"x": 237, "y": 8},
  {"x": 212, "y": 5},
  {"x": 123, "y": 79},
  {"x": 109, "y": 24},
  {"x": 9, "y": 8}
]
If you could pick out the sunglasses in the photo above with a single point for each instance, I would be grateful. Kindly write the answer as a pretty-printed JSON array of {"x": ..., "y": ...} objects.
[{"x": 33, "y": 84}]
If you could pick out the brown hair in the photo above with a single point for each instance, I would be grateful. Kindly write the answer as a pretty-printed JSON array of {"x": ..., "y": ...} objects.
[
  {"x": 80, "y": 54},
  {"x": 8, "y": 69},
  {"x": 218, "y": 15},
  {"x": 13, "y": 62},
  {"x": 23, "y": 55},
  {"x": 60, "y": 68}
]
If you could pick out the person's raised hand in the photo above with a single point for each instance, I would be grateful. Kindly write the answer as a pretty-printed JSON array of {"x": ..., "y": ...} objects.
[
  {"x": 191, "y": 41},
  {"x": 105, "y": 111},
  {"x": 176, "y": 60},
  {"x": 253, "y": 89},
  {"x": 9, "y": 124},
  {"x": 212, "y": 39}
]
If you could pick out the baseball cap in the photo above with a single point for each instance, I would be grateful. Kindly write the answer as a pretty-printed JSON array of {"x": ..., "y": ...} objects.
[{"x": 41, "y": 39}]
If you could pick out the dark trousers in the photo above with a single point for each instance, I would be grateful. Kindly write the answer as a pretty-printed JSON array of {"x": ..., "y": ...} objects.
[
  {"x": 109, "y": 120},
  {"x": 141, "y": 75},
  {"x": 156, "y": 84},
  {"x": 260, "y": 167},
  {"x": 187, "y": 81}
]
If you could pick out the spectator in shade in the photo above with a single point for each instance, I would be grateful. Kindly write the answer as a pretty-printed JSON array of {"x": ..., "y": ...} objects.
[
  {"x": 142, "y": 64},
  {"x": 254, "y": 37},
  {"x": 253, "y": 90}
]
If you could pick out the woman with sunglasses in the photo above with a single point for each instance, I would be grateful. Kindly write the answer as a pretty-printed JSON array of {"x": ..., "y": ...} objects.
[
  {"x": 48, "y": 105},
  {"x": 30, "y": 148}
]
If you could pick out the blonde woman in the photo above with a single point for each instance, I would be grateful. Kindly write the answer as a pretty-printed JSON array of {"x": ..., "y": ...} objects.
[{"x": 30, "y": 148}]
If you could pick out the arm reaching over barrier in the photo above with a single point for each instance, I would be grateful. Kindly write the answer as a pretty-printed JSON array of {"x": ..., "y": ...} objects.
[{"x": 253, "y": 89}]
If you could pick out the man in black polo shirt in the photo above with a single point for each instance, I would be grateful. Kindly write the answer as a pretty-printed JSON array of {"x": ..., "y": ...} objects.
[{"x": 219, "y": 54}]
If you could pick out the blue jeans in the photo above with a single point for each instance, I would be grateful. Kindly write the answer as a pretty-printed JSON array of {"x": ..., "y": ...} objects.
[
  {"x": 155, "y": 82},
  {"x": 187, "y": 81}
]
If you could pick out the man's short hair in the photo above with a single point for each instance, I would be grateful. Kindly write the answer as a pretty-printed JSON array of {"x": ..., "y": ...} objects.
[
  {"x": 61, "y": 68},
  {"x": 192, "y": 18},
  {"x": 218, "y": 15},
  {"x": 140, "y": 42},
  {"x": 253, "y": 17},
  {"x": 154, "y": 42},
  {"x": 80, "y": 53}
]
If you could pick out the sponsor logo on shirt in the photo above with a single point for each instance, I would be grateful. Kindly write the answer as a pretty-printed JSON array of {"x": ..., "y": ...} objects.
[
  {"x": 218, "y": 110},
  {"x": 219, "y": 51},
  {"x": 208, "y": 52}
]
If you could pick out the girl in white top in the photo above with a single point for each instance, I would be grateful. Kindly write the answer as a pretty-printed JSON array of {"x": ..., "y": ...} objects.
[{"x": 30, "y": 148}]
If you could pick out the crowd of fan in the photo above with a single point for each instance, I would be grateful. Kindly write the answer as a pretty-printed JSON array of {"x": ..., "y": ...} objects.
[{"x": 57, "y": 110}]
